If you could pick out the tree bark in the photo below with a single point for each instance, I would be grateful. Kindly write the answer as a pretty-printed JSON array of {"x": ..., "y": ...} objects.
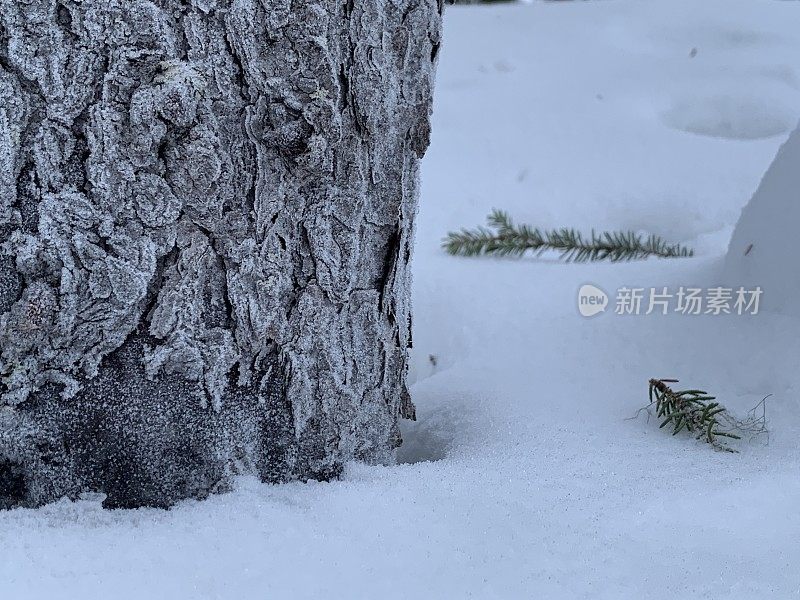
[{"x": 206, "y": 218}]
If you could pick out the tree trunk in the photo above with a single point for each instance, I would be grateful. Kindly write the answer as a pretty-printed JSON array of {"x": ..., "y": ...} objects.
[{"x": 206, "y": 211}]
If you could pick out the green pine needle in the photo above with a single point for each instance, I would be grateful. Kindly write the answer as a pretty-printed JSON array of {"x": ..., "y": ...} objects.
[
  {"x": 503, "y": 238},
  {"x": 693, "y": 410}
]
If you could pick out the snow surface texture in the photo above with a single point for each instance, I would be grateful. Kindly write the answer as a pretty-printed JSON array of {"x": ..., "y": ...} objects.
[
  {"x": 205, "y": 215},
  {"x": 537, "y": 487}
]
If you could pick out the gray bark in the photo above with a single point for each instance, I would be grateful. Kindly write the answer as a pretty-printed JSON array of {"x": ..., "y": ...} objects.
[{"x": 206, "y": 217}]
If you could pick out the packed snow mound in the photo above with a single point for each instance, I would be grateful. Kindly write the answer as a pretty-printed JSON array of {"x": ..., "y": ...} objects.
[{"x": 763, "y": 249}]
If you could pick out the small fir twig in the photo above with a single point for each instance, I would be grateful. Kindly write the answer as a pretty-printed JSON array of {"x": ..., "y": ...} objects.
[
  {"x": 503, "y": 237},
  {"x": 693, "y": 410}
]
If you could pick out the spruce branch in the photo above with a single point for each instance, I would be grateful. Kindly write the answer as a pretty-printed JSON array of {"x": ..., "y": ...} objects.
[
  {"x": 693, "y": 410},
  {"x": 503, "y": 237}
]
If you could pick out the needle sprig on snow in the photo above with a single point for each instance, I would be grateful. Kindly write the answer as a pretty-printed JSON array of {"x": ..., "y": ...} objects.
[
  {"x": 504, "y": 238},
  {"x": 693, "y": 410}
]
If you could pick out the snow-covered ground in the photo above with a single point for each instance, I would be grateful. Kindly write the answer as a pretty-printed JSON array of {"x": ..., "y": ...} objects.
[{"x": 522, "y": 477}]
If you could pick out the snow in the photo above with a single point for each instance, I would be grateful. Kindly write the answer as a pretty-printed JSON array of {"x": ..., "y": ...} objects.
[
  {"x": 759, "y": 251},
  {"x": 522, "y": 477}
]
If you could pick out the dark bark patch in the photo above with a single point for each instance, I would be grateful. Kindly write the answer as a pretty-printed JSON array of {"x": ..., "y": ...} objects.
[
  {"x": 435, "y": 51},
  {"x": 13, "y": 490},
  {"x": 344, "y": 89}
]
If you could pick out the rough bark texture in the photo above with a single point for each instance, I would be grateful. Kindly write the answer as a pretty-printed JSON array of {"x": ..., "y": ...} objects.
[{"x": 206, "y": 212}]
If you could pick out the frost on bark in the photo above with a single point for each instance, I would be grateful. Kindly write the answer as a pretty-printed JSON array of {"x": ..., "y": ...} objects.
[{"x": 206, "y": 213}]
